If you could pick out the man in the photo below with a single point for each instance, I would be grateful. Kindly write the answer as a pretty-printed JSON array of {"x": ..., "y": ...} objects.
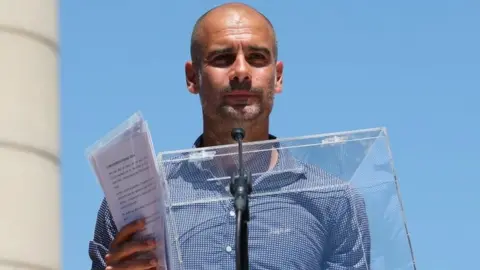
[{"x": 235, "y": 71}]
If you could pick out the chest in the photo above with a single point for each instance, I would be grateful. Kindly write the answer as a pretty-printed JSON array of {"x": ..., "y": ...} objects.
[{"x": 285, "y": 232}]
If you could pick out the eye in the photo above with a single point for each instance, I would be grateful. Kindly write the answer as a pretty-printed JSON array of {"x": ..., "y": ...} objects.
[
  {"x": 257, "y": 59},
  {"x": 223, "y": 60},
  {"x": 256, "y": 56}
]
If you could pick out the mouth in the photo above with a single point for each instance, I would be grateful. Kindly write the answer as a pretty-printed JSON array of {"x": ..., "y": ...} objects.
[
  {"x": 240, "y": 99},
  {"x": 240, "y": 94}
]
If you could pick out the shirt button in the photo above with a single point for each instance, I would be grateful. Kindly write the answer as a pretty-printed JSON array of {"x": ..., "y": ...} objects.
[
  {"x": 229, "y": 249},
  {"x": 227, "y": 188},
  {"x": 232, "y": 213}
]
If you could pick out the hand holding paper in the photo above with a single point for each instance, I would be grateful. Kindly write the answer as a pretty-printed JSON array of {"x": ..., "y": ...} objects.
[
  {"x": 122, "y": 249},
  {"x": 124, "y": 163}
]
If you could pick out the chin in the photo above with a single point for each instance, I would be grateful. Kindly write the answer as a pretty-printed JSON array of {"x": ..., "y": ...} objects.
[{"x": 248, "y": 113}]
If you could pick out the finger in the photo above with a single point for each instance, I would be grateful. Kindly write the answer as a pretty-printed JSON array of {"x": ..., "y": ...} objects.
[
  {"x": 135, "y": 265},
  {"x": 146, "y": 255},
  {"x": 124, "y": 251},
  {"x": 149, "y": 256},
  {"x": 126, "y": 232}
]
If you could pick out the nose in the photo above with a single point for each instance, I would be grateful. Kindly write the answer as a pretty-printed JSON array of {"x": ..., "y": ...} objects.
[{"x": 240, "y": 70}]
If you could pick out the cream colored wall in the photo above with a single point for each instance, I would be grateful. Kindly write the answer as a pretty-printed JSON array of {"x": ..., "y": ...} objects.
[{"x": 30, "y": 228}]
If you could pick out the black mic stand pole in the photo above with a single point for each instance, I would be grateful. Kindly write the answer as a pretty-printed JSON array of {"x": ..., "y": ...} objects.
[{"x": 241, "y": 187}]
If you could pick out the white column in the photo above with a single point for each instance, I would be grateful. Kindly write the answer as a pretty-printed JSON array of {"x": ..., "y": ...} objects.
[{"x": 30, "y": 225}]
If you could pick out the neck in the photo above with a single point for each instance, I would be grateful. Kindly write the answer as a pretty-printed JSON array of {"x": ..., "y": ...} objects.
[{"x": 215, "y": 134}]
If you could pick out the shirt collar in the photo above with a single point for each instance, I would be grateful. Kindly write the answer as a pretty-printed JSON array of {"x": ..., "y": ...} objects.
[
  {"x": 199, "y": 141},
  {"x": 288, "y": 167}
]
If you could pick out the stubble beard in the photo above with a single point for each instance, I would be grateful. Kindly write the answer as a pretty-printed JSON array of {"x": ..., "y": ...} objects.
[{"x": 248, "y": 113}]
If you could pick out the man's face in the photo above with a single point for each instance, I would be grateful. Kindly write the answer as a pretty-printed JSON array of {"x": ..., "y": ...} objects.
[{"x": 237, "y": 76}]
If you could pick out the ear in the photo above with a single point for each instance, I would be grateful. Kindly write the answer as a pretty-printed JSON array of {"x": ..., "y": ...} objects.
[
  {"x": 279, "y": 78},
  {"x": 191, "y": 77}
]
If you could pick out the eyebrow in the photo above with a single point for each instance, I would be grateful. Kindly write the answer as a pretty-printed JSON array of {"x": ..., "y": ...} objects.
[
  {"x": 259, "y": 49},
  {"x": 231, "y": 50},
  {"x": 219, "y": 51}
]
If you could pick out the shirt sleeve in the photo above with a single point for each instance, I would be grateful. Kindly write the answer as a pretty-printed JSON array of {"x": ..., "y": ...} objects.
[
  {"x": 105, "y": 231},
  {"x": 350, "y": 241}
]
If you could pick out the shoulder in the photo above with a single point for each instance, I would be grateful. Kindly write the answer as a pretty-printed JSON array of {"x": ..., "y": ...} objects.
[
  {"x": 105, "y": 223},
  {"x": 104, "y": 210},
  {"x": 341, "y": 193},
  {"x": 105, "y": 231},
  {"x": 323, "y": 180}
]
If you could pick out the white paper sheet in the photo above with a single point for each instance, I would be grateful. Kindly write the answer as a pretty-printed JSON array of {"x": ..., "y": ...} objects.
[{"x": 127, "y": 171}]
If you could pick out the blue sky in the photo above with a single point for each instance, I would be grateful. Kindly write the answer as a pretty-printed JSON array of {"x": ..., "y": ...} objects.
[{"x": 412, "y": 66}]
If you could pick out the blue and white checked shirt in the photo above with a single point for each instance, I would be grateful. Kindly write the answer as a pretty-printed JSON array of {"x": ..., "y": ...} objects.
[{"x": 309, "y": 230}]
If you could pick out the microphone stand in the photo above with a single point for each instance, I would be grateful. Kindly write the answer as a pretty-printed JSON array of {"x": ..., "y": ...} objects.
[{"x": 240, "y": 188}]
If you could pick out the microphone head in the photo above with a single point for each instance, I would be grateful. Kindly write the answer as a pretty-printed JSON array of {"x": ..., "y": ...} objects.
[{"x": 238, "y": 134}]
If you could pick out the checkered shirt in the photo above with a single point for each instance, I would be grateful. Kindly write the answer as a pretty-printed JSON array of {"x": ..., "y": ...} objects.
[{"x": 316, "y": 229}]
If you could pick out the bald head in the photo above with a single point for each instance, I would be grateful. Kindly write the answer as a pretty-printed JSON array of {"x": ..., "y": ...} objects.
[
  {"x": 226, "y": 13},
  {"x": 235, "y": 71}
]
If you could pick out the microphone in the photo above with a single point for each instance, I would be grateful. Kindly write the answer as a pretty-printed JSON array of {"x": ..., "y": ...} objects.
[
  {"x": 238, "y": 134},
  {"x": 240, "y": 188}
]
